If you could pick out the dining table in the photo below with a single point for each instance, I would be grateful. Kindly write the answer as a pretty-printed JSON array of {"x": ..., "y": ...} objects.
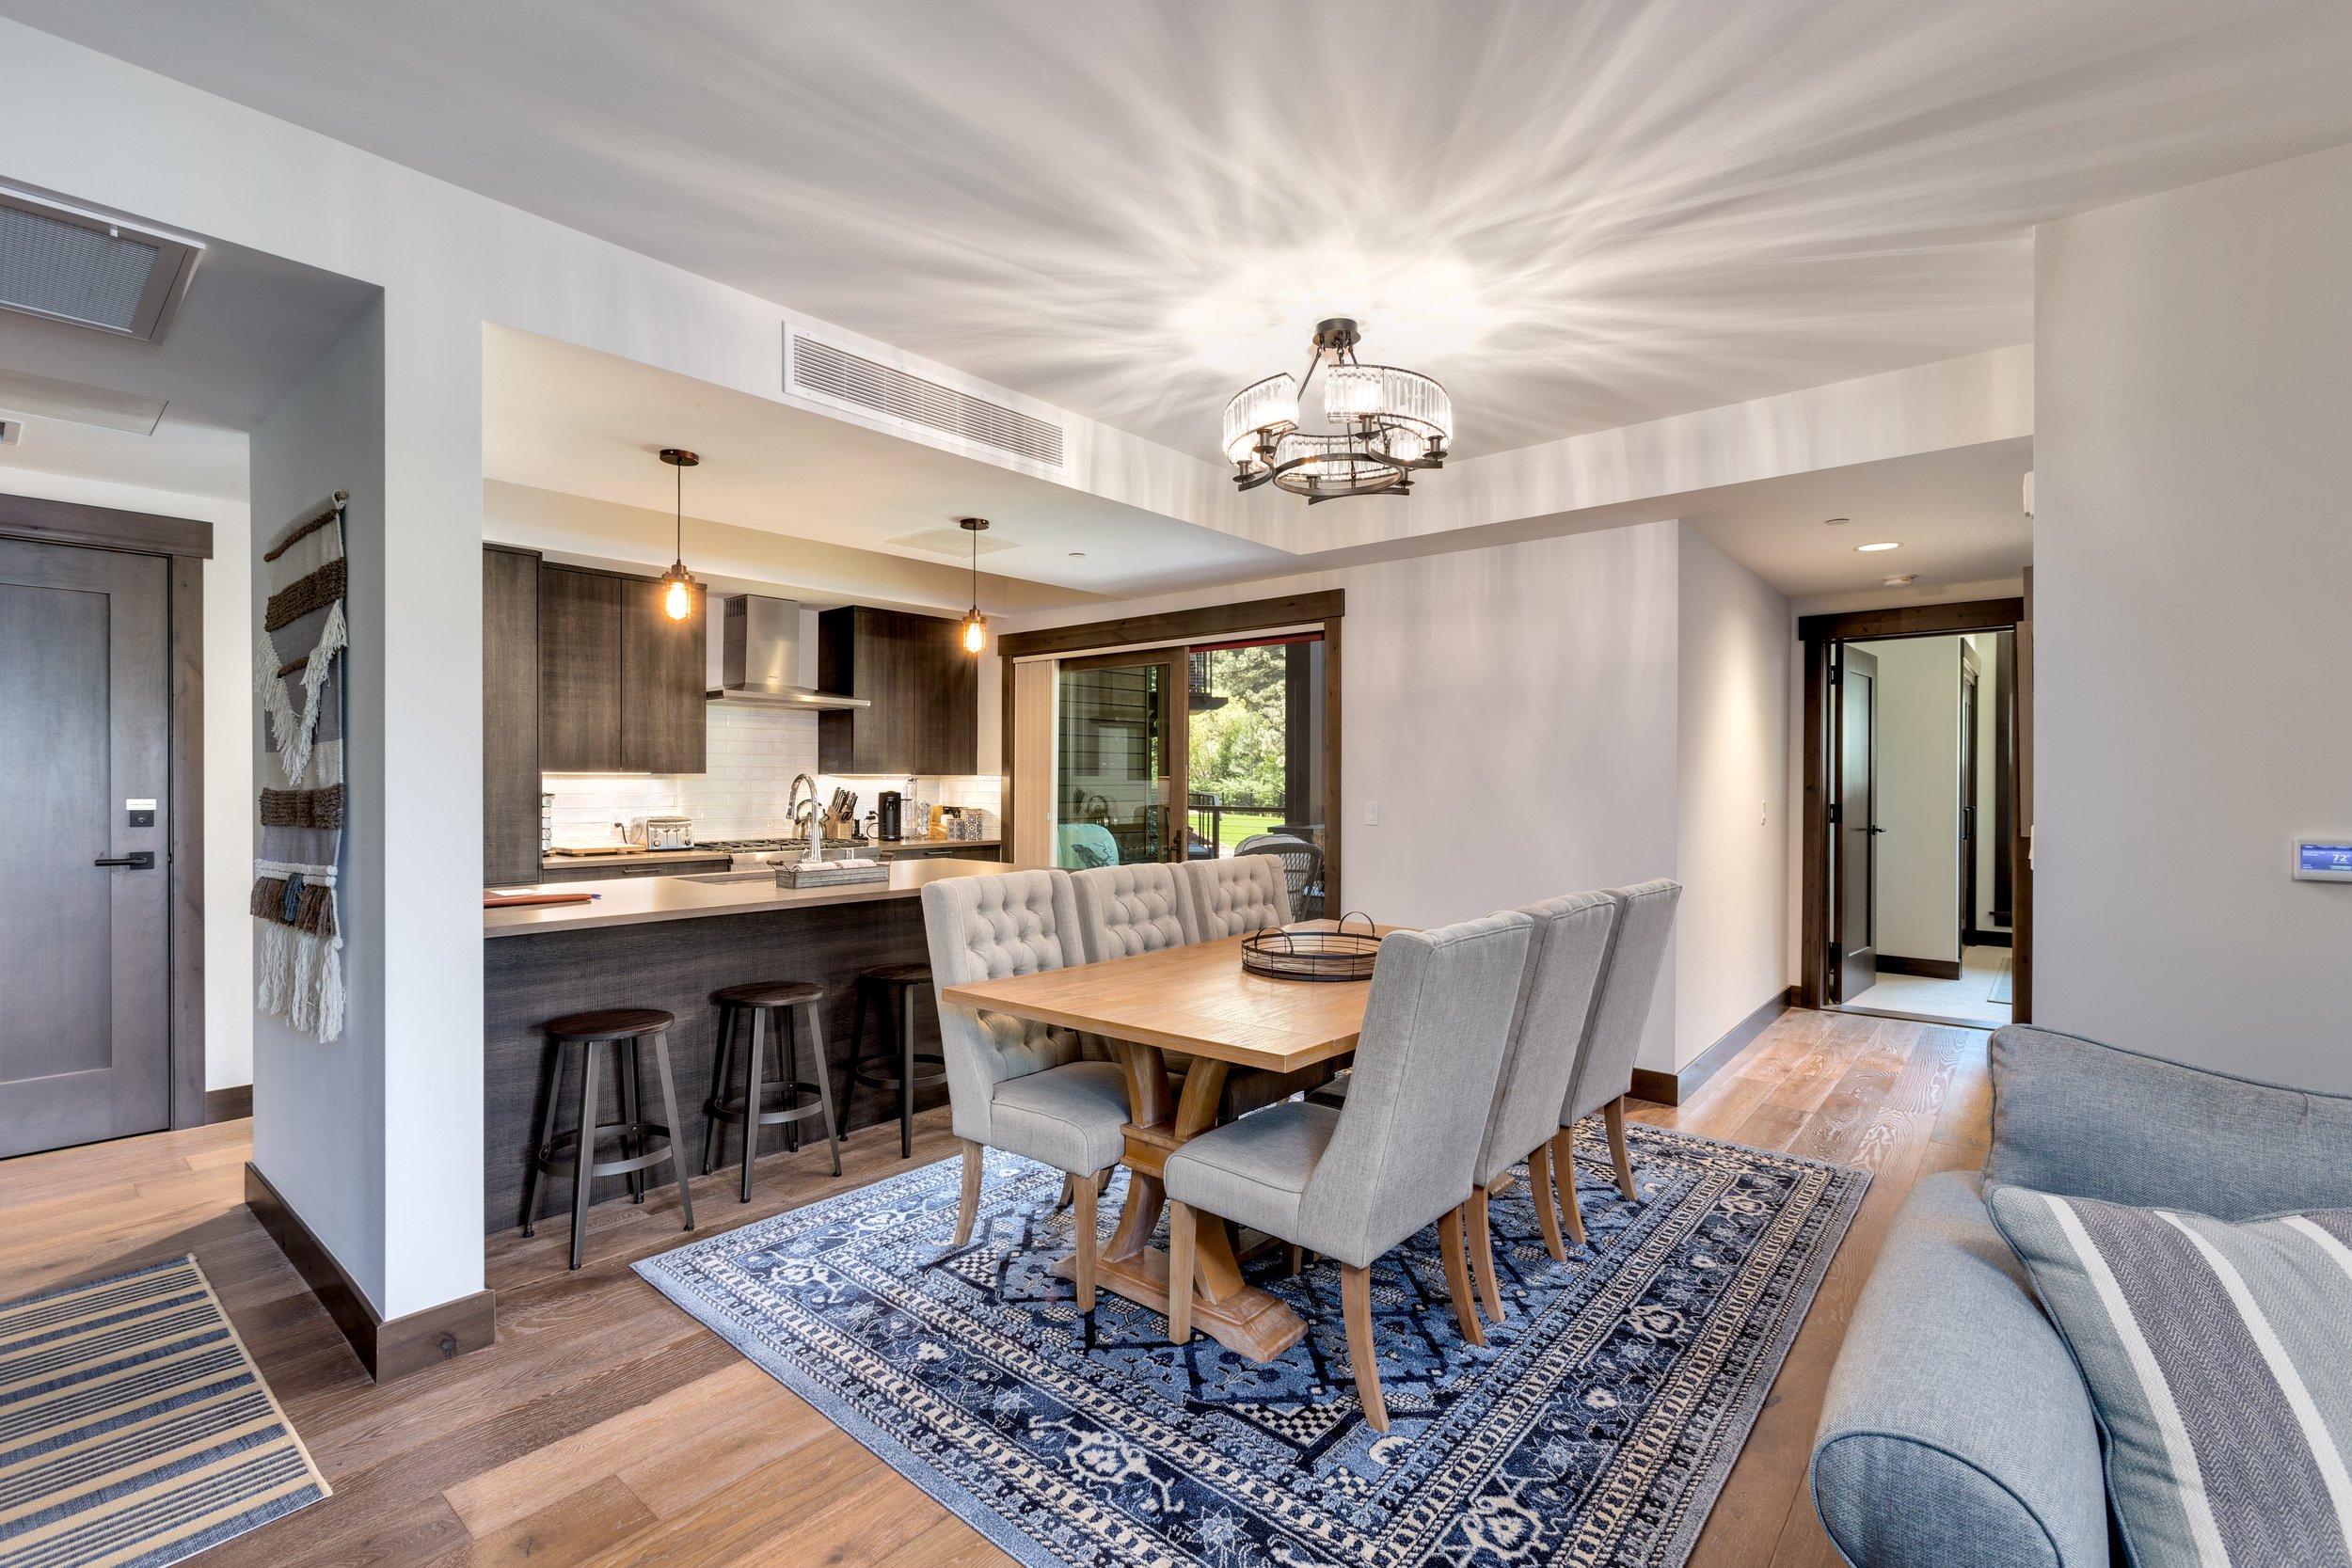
[{"x": 1199, "y": 1001}]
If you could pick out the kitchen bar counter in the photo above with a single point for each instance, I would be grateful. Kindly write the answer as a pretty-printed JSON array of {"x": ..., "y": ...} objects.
[
  {"x": 636, "y": 901},
  {"x": 669, "y": 943}
]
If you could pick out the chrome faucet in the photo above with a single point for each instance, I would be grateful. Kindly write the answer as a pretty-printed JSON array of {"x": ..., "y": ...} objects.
[{"x": 800, "y": 813}]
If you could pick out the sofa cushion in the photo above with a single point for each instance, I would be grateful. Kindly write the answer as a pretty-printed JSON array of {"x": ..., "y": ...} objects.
[
  {"x": 2071, "y": 1116},
  {"x": 2214, "y": 1354},
  {"x": 1955, "y": 1428}
]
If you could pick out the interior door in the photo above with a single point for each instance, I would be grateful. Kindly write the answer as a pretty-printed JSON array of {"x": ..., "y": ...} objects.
[
  {"x": 84, "y": 760},
  {"x": 1971, "y": 792},
  {"x": 1855, "y": 839},
  {"x": 1119, "y": 767}
]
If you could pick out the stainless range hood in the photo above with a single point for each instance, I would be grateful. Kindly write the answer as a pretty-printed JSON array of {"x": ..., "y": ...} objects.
[{"x": 757, "y": 646}]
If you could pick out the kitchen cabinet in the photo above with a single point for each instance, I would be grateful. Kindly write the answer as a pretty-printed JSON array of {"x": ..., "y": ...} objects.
[
  {"x": 924, "y": 689},
  {"x": 596, "y": 868},
  {"x": 510, "y": 715},
  {"x": 620, "y": 683},
  {"x": 966, "y": 851}
]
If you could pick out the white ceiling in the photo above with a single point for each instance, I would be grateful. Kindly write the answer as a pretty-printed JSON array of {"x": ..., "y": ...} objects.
[
  {"x": 1579, "y": 217},
  {"x": 558, "y": 416}
]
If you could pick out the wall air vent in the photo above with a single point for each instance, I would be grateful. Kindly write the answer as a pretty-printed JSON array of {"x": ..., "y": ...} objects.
[
  {"x": 9, "y": 430},
  {"x": 816, "y": 369},
  {"x": 92, "y": 271}
]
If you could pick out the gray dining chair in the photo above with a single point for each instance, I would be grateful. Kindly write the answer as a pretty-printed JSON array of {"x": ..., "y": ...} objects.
[
  {"x": 1238, "y": 894},
  {"x": 1604, "y": 1075},
  {"x": 1014, "y": 1084},
  {"x": 1548, "y": 1029},
  {"x": 1127, "y": 909},
  {"x": 1351, "y": 1183}
]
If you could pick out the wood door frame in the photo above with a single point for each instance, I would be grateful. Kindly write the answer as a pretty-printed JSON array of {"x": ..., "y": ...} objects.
[
  {"x": 1210, "y": 624},
  {"x": 1817, "y": 636},
  {"x": 187, "y": 544}
]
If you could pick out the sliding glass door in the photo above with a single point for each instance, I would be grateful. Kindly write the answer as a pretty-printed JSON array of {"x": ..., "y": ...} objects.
[{"x": 1120, "y": 759}]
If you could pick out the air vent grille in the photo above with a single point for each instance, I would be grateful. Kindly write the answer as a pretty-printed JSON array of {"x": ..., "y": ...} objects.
[
  {"x": 819, "y": 369},
  {"x": 9, "y": 430},
  {"x": 91, "y": 271}
]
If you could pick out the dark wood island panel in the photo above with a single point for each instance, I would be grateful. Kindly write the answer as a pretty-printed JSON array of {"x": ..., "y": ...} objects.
[{"x": 532, "y": 976}]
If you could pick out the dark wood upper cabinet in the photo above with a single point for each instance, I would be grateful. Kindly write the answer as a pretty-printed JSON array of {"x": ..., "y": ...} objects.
[
  {"x": 510, "y": 715},
  {"x": 580, "y": 670},
  {"x": 924, "y": 687},
  {"x": 663, "y": 671}
]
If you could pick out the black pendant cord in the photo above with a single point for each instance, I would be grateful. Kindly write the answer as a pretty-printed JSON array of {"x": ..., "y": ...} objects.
[{"x": 677, "y": 540}]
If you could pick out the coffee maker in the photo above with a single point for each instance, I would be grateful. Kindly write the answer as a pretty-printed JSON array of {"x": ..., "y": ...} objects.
[{"x": 888, "y": 826}]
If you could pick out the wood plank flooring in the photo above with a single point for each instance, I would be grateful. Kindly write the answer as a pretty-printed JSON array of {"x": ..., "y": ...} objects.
[{"x": 606, "y": 1427}]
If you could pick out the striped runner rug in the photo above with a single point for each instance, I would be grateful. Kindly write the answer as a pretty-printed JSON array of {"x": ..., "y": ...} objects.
[{"x": 134, "y": 1429}]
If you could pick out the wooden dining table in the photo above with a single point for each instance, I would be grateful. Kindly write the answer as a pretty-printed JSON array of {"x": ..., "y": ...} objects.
[{"x": 1199, "y": 1001}]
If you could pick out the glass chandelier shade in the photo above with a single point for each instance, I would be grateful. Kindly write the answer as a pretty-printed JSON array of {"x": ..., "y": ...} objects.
[
  {"x": 1390, "y": 421},
  {"x": 677, "y": 592}
]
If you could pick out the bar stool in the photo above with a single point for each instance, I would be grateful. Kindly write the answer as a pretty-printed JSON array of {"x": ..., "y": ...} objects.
[
  {"x": 772, "y": 1007},
  {"x": 622, "y": 1028},
  {"x": 894, "y": 1066}
]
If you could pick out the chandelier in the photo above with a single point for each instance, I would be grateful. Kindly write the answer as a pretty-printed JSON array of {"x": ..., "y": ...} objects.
[{"x": 1391, "y": 421}]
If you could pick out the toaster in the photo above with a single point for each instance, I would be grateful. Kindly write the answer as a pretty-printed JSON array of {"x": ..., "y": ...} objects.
[{"x": 668, "y": 833}]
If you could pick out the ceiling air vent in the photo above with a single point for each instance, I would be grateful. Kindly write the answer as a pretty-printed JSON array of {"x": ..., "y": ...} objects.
[
  {"x": 91, "y": 271},
  {"x": 9, "y": 430},
  {"x": 818, "y": 369}
]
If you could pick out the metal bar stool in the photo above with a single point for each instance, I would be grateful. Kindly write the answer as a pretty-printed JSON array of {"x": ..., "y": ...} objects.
[
  {"x": 622, "y": 1028},
  {"x": 894, "y": 1068},
  {"x": 783, "y": 1001}
]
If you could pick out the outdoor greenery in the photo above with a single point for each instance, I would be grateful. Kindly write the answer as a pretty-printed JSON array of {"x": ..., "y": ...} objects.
[{"x": 1236, "y": 752}]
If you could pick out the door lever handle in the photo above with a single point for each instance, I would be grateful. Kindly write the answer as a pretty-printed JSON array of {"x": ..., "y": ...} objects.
[{"x": 137, "y": 860}]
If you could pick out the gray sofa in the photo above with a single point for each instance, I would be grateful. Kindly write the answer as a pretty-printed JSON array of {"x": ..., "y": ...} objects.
[{"x": 1955, "y": 1429}]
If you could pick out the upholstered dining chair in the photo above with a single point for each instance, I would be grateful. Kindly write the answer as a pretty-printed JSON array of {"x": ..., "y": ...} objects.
[
  {"x": 1013, "y": 1085},
  {"x": 1548, "y": 1029},
  {"x": 1238, "y": 894},
  {"x": 1143, "y": 908},
  {"x": 1604, "y": 1075},
  {"x": 1353, "y": 1182}
]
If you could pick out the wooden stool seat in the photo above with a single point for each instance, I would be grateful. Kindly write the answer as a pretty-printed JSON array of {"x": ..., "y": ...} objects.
[
  {"x": 895, "y": 1066},
  {"x": 610, "y": 1024},
  {"x": 898, "y": 975},
  {"x": 573, "y": 1151},
  {"x": 769, "y": 993}
]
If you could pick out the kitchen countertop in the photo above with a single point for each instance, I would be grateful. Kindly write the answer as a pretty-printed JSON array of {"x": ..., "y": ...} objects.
[{"x": 637, "y": 901}]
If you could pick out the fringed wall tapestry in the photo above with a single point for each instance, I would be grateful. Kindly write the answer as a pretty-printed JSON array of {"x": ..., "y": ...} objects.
[{"x": 298, "y": 669}]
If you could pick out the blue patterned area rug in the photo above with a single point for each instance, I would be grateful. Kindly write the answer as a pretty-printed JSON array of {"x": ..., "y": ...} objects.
[{"x": 1595, "y": 1427}]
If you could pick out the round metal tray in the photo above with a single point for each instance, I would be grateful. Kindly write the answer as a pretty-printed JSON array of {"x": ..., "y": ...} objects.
[{"x": 1335, "y": 955}]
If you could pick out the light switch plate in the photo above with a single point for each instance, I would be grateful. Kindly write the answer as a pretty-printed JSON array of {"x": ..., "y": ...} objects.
[{"x": 1372, "y": 814}]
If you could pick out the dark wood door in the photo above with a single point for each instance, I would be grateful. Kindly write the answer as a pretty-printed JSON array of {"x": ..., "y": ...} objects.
[
  {"x": 510, "y": 715},
  {"x": 664, "y": 671},
  {"x": 85, "y": 946},
  {"x": 1857, "y": 829},
  {"x": 580, "y": 670}
]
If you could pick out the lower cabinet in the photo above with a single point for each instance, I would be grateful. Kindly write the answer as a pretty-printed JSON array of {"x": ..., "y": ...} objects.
[{"x": 599, "y": 869}]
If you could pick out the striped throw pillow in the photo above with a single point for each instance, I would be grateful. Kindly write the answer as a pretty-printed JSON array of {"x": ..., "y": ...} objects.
[{"x": 2219, "y": 1358}]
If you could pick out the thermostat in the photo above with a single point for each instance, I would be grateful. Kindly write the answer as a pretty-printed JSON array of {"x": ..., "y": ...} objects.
[{"x": 2327, "y": 861}]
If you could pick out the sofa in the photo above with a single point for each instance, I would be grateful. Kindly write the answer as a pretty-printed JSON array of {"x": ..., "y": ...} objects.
[{"x": 1955, "y": 1429}]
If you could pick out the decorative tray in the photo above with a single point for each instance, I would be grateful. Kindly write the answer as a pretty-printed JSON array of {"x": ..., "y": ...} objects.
[
  {"x": 1337, "y": 954},
  {"x": 800, "y": 874}
]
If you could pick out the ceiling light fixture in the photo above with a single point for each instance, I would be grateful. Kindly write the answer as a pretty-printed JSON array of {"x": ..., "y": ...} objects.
[
  {"x": 1871, "y": 550},
  {"x": 975, "y": 624},
  {"x": 678, "y": 595},
  {"x": 1390, "y": 420},
  {"x": 1833, "y": 522}
]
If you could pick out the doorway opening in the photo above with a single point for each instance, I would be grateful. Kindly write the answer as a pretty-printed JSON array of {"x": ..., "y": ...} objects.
[{"x": 1918, "y": 885}]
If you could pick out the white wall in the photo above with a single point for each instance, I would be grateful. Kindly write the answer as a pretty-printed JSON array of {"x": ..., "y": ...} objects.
[
  {"x": 1918, "y": 797},
  {"x": 2191, "y": 549},
  {"x": 1733, "y": 661},
  {"x": 309, "y": 1138}
]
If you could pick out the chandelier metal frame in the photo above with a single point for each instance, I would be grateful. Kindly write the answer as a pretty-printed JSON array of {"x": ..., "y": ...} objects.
[{"x": 1391, "y": 421}]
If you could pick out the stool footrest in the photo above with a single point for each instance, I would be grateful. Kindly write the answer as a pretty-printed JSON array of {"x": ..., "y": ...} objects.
[
  {"x": 552, "y": 1158},
  {"x": 731, "y": 1109}
]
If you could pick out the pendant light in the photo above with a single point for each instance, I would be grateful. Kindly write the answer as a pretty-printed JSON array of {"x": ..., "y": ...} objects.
[
  {"x": 677, "y": 596},
  {"x": 975, "y": 624}
]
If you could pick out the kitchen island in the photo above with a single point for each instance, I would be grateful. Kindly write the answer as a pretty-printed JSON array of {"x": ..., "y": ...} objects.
[{"x": 669, "y": 943}]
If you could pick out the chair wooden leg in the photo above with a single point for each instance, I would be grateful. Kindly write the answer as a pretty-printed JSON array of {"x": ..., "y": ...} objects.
[
  {"x": 1564, "y": 1176},
  {"x": 1069, "y": 1191},
  {"x": 1356, "y": 1297},
  {"x": 1457, "y": 1283},
  {"x": 1482, "y": 1255},
  {"x": 1539, "y": 1192},
  {"x": 968, "y": 1205},
  {"x": 1613, "y": 1116},
  {"x": 1086, "y": 1218},
  {"x": 1181, "y": 1224},
  {"x": 1294, "y": 1258}
]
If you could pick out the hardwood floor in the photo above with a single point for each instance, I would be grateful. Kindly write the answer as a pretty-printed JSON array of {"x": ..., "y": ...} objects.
[{"x": 607, "y": 1427}]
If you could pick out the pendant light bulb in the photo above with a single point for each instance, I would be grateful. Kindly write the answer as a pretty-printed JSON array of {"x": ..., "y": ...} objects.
[
  {"x": 974, "y": 623},
  {"x": 677, "y": 596}
]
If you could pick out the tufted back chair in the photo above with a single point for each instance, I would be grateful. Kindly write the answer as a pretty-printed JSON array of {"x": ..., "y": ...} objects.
[
  {"x": 1232, "y": 898},
  {"x": 1126, "y": 910},
  {"x": 992, "y": 928}
]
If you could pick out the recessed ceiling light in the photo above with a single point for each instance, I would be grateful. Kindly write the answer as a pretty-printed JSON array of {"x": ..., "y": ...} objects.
[
  {"x": 1905, "y": 581},
  {"x": 1833, "y": 522},
  {"x": 1888, "y": 544}
]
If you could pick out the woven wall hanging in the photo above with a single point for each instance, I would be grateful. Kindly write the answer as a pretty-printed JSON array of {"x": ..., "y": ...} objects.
[{"x": 298, "y": 670}]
